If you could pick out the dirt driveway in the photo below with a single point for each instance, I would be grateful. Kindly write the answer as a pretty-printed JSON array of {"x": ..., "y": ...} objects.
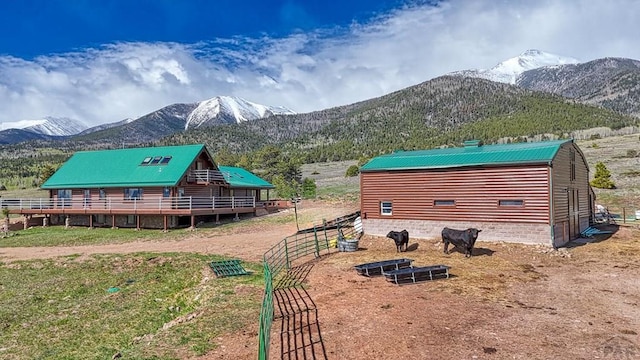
[{"x": 507, "y": 302}]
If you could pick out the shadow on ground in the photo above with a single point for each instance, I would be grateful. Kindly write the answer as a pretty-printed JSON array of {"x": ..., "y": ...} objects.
[{"x": 300, "y": 336}]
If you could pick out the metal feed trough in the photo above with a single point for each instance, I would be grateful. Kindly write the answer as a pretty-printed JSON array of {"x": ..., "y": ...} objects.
[
  {"x": 417, "y": 274},
  {"x": 377, "y": 268},
  {"x": 228, "y": 268}
]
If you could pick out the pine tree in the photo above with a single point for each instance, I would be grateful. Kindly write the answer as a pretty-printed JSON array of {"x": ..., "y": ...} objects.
[{"x": 602, "y": 177}]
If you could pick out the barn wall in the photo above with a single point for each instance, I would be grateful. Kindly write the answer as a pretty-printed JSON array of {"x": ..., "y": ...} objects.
[
  {"x": 562, "y": 185},
  {"x": 528, "y": 233},
  {"x": 476, "y": 191}
]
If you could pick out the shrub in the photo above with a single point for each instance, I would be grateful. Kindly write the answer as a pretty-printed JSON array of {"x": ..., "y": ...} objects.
[{"x": 352, "y": 171}]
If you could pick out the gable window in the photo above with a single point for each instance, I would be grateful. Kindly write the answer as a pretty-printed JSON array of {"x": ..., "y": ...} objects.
[
  {"x": 511, "y": 202},
  {"x": 386, "y": 208},
  {"x": 133, "y": 193},
  {"x": 572, "y": 161},
  {"x": 444, "y": 203}
]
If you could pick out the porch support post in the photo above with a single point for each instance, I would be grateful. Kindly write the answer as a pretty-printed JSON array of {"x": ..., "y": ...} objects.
[
  {"x": 113, "y": 221},
  {"x": 217, "y": 219},
  {"x": 137, "y": 222},
  {"x": 193, "y": 222},
  {"x": 90, "y": 222},
  {"x": 165, "y": 223}
]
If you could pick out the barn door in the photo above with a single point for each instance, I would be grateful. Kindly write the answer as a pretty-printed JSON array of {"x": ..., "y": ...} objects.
[{"x": 574, "y": 213}]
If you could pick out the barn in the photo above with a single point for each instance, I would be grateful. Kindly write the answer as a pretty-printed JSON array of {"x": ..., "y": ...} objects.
[{"x": 534, "y": 192}]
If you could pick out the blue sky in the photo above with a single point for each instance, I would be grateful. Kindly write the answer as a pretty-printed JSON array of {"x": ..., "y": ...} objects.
[{"x": 102, "y": 61}]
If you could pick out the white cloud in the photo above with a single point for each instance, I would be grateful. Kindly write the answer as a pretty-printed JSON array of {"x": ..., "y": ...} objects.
[{"x": 317, "y": 70}]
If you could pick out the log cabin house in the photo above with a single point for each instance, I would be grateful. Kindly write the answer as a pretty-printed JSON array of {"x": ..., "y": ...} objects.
[
  {"x": 152, "y": 187},
  {"x": 522, "y": 192}
]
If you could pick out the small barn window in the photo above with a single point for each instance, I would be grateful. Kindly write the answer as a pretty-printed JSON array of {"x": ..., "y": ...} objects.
[
  {"x": 511, "y": 202},
  {"x": 386, "y": 208},
  {"x": 444, "y": 203}
]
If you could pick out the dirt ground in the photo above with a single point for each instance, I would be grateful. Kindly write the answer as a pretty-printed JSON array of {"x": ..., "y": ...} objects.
[{"x": 508, "y": 301}]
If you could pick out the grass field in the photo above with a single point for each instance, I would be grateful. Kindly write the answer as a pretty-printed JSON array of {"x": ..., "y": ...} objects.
[{"x": 142, "y": 306}]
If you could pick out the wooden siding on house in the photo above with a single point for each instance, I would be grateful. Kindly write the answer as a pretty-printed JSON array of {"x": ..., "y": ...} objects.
[{"x": 475, "y": 190}]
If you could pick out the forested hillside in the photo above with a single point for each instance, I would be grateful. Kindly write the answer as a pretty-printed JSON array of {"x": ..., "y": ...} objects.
[{"x": 443, "y": 111}]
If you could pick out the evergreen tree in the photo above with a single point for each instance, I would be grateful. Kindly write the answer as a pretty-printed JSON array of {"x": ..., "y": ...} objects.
[
  {"x": 308, "y": 188},
  {"x": 602, "y": 177}
]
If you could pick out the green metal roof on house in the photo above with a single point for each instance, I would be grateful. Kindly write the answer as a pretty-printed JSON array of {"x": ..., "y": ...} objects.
[
  {"x": 239, "y": 177},
  {"x": 470, "y": 155},
  {"x": 133, "y": 167}
]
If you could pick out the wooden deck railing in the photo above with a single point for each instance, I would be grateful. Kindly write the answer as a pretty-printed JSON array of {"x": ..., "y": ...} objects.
[
  {"x": 158, "y": 203},
  {"x": 205, "y": 176}
]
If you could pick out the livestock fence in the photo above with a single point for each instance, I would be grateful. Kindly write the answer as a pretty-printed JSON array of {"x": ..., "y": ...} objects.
[
  {"x": 305, "y": 245},
  {"x": 619, "y": 214}
]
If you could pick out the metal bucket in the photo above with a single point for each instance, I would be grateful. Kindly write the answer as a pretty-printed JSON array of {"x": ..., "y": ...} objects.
[{"x": 347, "y": 245}]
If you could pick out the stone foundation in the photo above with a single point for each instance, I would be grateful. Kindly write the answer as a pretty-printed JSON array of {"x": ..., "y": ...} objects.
[{"x": 526, "y": 233}]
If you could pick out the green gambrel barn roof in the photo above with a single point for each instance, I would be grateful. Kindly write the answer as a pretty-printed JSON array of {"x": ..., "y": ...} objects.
[
  {"x": 125, "y": 167},
  {"x": 470, "y": 155},
  {"x": 239, "y": 177}
]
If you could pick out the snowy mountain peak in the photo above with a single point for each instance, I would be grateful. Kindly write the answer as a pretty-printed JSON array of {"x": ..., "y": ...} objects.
[
  {"x": 509, "y": 70},
  {"x": 55, "y": 126},
  {"x": 230, "y": 109}
]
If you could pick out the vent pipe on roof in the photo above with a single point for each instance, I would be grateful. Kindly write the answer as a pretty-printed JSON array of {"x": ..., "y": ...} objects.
[{"x": 472, "y": 143}]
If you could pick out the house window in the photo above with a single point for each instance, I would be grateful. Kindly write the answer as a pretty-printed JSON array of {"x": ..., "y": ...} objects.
[
  {"x": 102, "y": 194},
  {"x": 132, "y": 193},
  {"x": 131, "y": 219},
  {"x": 156, "y": 160},
  {"x": 166, "y": 192},
  {"x": 87, "y": 197},
  {"x": 511, "y": 202},
  {"x": 64, "y": 197},
  {"x": 64, "y": 194},
  {"x": 146, "y": 160},
  {"x": 386, "y": 208},
  {"x": 444, "y": 203},
  {"x": 165, "y": 160}
]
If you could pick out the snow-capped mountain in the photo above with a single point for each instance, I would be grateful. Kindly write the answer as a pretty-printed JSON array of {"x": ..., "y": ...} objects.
[
  {"x": 52, "y": 126},
  {"x": 228, "y": 110},
  {"x": 509, "y": 70},
  {"x": 106, "y": 126}
]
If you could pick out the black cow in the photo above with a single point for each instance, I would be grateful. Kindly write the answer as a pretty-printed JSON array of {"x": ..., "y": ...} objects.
[
  {"x": 464, "y": 239},
  {"x": 401, "y": 238}
]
